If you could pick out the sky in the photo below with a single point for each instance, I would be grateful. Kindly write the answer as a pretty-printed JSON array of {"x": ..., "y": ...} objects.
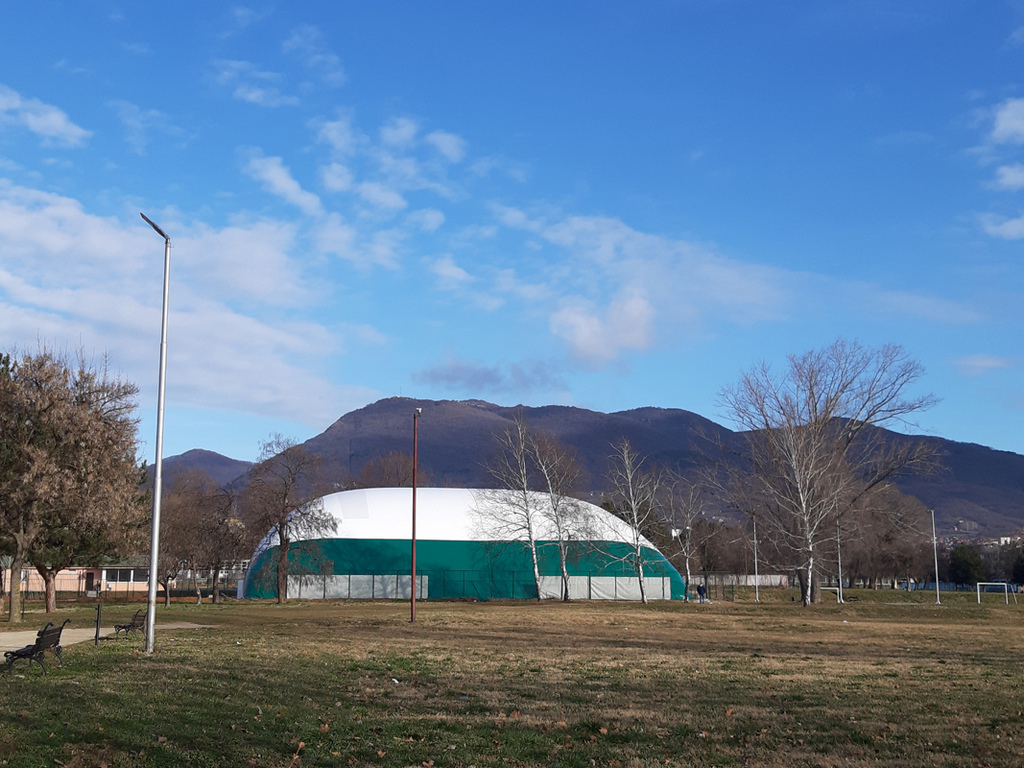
[{"x": 607, "y": 205}]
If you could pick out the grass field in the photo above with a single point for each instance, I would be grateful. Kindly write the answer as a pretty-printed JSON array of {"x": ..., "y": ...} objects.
[{"x": 890, "y": 679}]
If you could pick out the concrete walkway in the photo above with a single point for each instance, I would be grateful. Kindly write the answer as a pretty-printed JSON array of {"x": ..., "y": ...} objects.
[{"x": 11, "y": 641}]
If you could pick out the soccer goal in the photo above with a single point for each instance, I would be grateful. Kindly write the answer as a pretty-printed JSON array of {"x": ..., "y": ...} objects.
[{"x": 1003, "y": 584}]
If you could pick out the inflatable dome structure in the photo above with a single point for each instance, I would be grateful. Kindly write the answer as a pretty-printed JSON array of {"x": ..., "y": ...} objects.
[{"x": 465, "y": 548}]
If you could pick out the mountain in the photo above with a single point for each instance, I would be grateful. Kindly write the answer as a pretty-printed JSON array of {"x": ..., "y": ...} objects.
[
  {"x": 220, "y": 468},
  {"x": 456, "y": 439}
]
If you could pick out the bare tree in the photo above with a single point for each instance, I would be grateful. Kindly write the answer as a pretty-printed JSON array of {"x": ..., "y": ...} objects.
[
  {"x": 511, "y": 513},
  {"x": 391, "y": 470},
  {"x": 67, "y": 450},
  {"x": 683, "y": 509},
  {"x": 635, "y": 496},
  {"x": 559, "y": 473},
  {"x": 283, "y": 497},
  {"x": 812, "y": 449}
]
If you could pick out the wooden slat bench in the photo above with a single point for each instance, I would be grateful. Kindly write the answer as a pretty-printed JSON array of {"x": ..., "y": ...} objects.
[
  {"x": 48, "y": 639},
  {"x": 137, "y": 624}
]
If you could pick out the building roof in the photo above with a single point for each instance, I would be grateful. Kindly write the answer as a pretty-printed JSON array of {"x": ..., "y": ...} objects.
[{"x": 453, "y": 514}]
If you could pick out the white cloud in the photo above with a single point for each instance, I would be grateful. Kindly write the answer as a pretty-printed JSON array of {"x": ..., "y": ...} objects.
[
  {"x": 449, "y": 274},
  {"x": 1010, "y": 177},
  {"x": 337, "y": 177},
  {"x": 448, "y": 144},
  {"x": 934, "y": 309},
  {"x": 381, "y": 196},
  {"x": 979, "y": 365},
  {"x": 399, "y": 132},
  {"x": 248, "y": 261},
  {"x": 250, "y": 84},
  {"x": 598, "y": 336},
  {"x": 999, "y": 226},
  {"x": 338, "y": 134},
  {"x": 278, "y": 180},
  {"x": 138, "y": 123},
  {"x": 46, "y": 121},
  {"x": 335, "y": 237},
  {"x": 76, "y": 280},
  {"x": 427, "y": 219},
  {"x": 1008, "y": 125},
  {"x": 307, "y": 42}
]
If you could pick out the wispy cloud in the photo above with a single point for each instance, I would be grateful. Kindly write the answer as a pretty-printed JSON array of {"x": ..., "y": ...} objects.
[
  {"x": 599, "y": 335},
  {"x": 336, "y": 177},
  {"x": 460, "y": 375},
  {"x": 106, "y": 297},
  {"x": 449, "y": 274},
  {"x": 338, "y": 134},
  {"x": 979, "y": 365},
  {"x": 1010, "y": 177},
  {"x": 250, "y": 84},
  {"x": 44, "y": 120},
  {"x": 1002, "y": 227},
  {"x": 399, "y": 132},
  {"x": 139, "y": 123},
  {"x": 306, "y": 42},
  {"x": 381, "y": 196},
  {"x": 452, "y": 147},
  {"x": 278, "y": 180},
  {"x": 1008, "y": 122}
]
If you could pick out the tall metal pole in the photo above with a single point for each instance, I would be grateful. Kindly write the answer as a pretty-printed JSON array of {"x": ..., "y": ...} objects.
[
  {"x": 154, "y": 545},
  {"x": 839, "y": 560},
  {"x": 415, "y": 461},
  {"x": 757, "y": 591},
  {"x": 935, "y": 551}
]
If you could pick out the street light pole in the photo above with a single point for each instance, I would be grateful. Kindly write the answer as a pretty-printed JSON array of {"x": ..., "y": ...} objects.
[
  {"x": 757, "y": 578},
  {"x": 415, "y": 461},
  {"x": 154, "y": 546},
  {"x": 935, "y": 551}
]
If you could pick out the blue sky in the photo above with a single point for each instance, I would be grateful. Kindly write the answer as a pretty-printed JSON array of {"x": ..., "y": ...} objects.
[{"x": 601, "y": 204}]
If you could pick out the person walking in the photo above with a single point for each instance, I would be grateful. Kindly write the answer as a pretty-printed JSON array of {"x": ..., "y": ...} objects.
[{"x": 701, "y": 592}]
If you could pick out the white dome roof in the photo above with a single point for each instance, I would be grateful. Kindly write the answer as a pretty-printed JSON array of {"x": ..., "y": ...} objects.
[{"x": 451, "y": 514}]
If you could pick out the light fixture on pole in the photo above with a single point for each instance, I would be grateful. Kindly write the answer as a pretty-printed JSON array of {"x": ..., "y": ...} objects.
[
  {"x": 154, "y": 545},
  {"x": 415, "y": 461},
  {"x": 935, "y": 551}
]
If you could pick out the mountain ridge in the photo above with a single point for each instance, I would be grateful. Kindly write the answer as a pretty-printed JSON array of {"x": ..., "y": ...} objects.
[{"x": 456, "y": 438}]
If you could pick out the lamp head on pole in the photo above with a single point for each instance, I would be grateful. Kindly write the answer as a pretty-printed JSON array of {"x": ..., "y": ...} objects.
[{"x": 154, "y": 226}]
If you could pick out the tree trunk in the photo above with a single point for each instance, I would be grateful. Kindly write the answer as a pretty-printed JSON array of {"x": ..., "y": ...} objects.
[
  {"x": 282, "y": 570},
  {"x": 215, "y": 597},
  {"x": 536, "y": 566},
  {"x": 688, "y": 576},
  {"x": 562, "y": 560},
  {"x": 640, "y": 575},
  {"x": 167, "y": 592},
  {"x": 50, "y": 586},
  {"x": 17, "y": 563}
]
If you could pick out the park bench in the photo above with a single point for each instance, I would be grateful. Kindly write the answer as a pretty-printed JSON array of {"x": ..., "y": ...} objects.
[
  {"x": 48, "y": 639},
  {"x": 137, "y": 624}
]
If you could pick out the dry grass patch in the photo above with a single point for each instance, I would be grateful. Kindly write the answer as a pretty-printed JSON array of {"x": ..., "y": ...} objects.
[{"x": 513, "y": 684}]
